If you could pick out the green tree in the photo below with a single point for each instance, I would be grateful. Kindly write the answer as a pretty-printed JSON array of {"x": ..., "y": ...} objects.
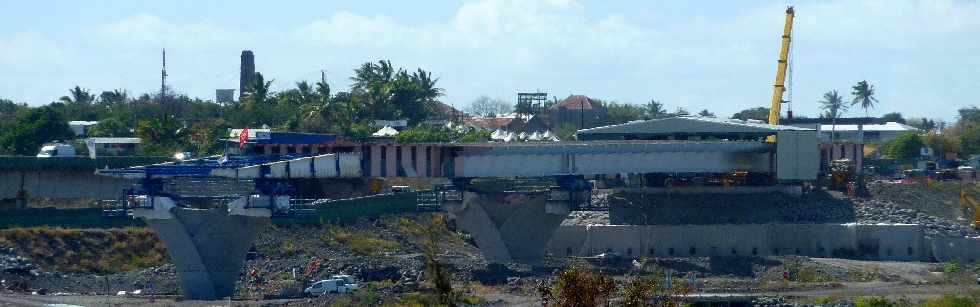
[
  {"x": 33, "y": 129},
  {"x": 864, "y": 94},
  {"x": 970, "y": 114},
  {"x": 383, "y": 92},
  {"x": 706, "y": 113},
  {"x": 968, "y": 135},
  {"x": 757, "y": 113},
  {"x": 260, "y": 90},
  {"x": 833, "y": 106},
  {"x": 110, "y": 127},
  {"x": 619, "y": 113},
  {"x": 160, "y": 136},
  {"x": 942, "y": 144},
  {"x": 654, "y": 109},
  {"x": 904, "y": 146},
  {"x": 424, "y": 134},
  {"x": 680, "y": 111},
  {"x": 78, "y": 104},
  {"x": 893, "y": 117},
  {"x": 8, "y": 114}
]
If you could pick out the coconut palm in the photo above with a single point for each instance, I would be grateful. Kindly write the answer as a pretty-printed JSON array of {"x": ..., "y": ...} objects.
[
  {"x": 864, "y": 94},
  {"x": 833, "y": 106}
]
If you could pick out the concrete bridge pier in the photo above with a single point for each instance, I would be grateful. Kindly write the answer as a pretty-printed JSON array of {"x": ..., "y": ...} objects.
[
  {"x": 208, "y": 246},
  {"x": 508, "y": 227}
]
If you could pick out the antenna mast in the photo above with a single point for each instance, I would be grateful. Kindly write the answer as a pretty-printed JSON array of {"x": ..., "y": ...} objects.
[{"x": 163, "y": 76}]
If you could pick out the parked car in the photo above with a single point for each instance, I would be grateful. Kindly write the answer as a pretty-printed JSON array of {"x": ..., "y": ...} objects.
[
  {"x": 336, "y": 284},
  {"x": 56, "y": 150}
]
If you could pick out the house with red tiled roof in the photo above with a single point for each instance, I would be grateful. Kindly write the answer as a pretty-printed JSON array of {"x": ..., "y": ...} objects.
[{"x": 578, "y": 110}]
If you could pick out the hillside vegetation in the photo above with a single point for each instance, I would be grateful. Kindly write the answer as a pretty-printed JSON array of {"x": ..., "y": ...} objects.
[{"x": 87, "y": 250}]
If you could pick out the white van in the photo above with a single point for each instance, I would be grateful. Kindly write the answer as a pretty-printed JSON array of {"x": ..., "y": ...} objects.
[
  {"x": 336, "y": 284},
  {"x": 56, "y": 150}
]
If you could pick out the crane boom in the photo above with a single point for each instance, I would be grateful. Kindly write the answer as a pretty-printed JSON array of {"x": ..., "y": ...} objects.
[{"x": 779, "y": 87}]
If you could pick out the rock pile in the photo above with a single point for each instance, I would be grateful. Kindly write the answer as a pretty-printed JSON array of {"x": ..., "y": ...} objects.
[
  {"x": 882, "y": 211},
  {"x": 11, "y": 263}
]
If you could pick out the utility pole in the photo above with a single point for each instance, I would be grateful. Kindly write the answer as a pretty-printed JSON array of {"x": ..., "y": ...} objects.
[{"x": 163, "y": 75}]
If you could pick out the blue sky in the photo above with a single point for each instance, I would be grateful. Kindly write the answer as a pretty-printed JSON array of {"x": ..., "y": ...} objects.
[{"x": 923, "y": 56}]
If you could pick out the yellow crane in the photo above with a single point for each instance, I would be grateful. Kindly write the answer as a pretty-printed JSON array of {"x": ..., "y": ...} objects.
[
  {"x": 968, "y": 201},
  {"x": 779, "y": 86}
]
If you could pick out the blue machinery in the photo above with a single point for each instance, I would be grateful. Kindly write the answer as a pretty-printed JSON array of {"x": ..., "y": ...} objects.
[{"x": 151, "y": 182}]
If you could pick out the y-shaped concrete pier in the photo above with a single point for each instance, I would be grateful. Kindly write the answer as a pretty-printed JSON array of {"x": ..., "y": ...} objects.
[
  {"x": 509, "y": 227},
  {"x": 207, "y": 246}
]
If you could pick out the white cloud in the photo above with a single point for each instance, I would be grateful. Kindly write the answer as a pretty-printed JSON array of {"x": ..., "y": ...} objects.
[
  {"x": 31, "y": 51},
  {"x": 149, "y": 30}
]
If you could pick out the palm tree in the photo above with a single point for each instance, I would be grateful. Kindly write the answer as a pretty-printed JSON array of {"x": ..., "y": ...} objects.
[
  {"x": 655, "y": 109},
  {"x": 833, "y": 105},
  {"x": 78, "y": 95},
  {"x": 864, "y": 93}
]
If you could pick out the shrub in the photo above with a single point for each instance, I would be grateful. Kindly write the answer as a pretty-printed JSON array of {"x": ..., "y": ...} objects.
[
  {"x": 873, "y": 301},
  {"x": 950, "y": 301}
]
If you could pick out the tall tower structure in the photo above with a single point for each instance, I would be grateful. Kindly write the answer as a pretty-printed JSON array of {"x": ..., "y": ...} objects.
[
  {"x": 247, "y": 73},
  {"x": 163, "y": 76}
]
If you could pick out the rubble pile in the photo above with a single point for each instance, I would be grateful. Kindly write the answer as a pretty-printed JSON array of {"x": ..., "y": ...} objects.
[{"x": 873, "y": 211}]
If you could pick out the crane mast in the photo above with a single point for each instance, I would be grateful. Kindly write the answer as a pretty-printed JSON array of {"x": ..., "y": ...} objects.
[{"x": 779, "y": 87}]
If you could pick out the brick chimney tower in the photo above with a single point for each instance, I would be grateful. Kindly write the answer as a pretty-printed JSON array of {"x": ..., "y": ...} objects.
[{"x": 247, "y": 73}]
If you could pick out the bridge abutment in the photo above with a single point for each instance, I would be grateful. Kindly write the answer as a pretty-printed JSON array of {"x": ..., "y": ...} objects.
[
  {"x": 208, "y": 246},
  {"x": 508, "y": 227}
]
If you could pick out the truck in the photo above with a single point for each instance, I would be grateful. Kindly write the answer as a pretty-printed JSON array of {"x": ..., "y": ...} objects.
[
  {"x": 52, "y": 150},
  {"x": 336, "y": 284}
]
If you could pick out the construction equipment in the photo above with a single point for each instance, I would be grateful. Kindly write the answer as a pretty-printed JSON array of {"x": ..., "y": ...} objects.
[
  {"x": 971, "y": 203},
  {"x": 779, "y": 86},
  {"x": 841, "y": 173}
]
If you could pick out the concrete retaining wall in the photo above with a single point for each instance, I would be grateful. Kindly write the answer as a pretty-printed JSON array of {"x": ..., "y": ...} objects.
[
  {"x": 61, "y": 184},
  {"x": 955, "y": 249},
  {"x": 876, "y": 242}
]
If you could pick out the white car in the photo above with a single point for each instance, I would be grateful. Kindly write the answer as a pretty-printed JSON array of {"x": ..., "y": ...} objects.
[{"x": 336, "y": 284}]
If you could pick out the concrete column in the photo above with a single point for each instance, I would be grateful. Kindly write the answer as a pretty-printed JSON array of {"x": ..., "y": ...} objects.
[
  {"x": 375, "y": 161},
  {"x": 392, "y": 163},
  {"x": 507, "y": 227},
  {"x": 407, "y": 164},
  {"x": 420, "y": 162},
  {"x": 436, "y": 162},
  {"x": 207, "y": 246}
]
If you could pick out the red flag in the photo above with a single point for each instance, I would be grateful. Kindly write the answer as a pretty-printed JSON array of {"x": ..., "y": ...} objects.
[{"x": 242, "y": 138}]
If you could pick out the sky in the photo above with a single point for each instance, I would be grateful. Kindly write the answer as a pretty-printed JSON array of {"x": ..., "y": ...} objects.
[{"x": 923, "y": 57}]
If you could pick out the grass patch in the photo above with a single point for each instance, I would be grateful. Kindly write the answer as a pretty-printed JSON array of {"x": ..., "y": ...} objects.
[
  {"x": 362, "y": 242},
  {"x": 97, "y": 251},
  {"x": 949, "y": 300}
]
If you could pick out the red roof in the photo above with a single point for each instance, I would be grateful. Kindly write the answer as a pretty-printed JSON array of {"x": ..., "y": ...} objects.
[
  {"x": 577, "y": 102},
  {"x": 488, "y": 123}
]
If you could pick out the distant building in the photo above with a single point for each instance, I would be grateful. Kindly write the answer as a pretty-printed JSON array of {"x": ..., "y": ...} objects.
[
  {"x": 266, "y": 142},
  {"x": 224, "y": 96},
  {"x": 80, "y": 127},
  {"x": 101, "y": 147},
  {"x": 397, "y": 124},
  {"x": 579, "y": 111},
  {"x": 489, "y": 123}
]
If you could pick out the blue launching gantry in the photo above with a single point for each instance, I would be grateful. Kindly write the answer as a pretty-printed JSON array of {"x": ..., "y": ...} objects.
[{"x": 267, "y": 173}]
